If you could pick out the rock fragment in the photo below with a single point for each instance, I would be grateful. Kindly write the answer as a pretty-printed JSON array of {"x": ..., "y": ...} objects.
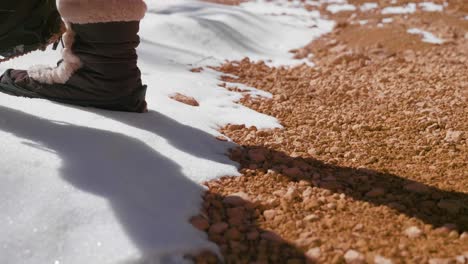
[
  {"x": 257, "y": 155},
  {"x": 376, "y": 192},
  {"x": 270, "y": 236},
  {"x": 464, "y": 236},
  {"x": 291, "y": 194},
  {"x": 200, "y": 223},
  {"x": 453, "y": 136},
  {"x": 416, "y": 187},
  {"x": 236, "y": 213},
  {"x": 185, "y": 99},
  {"x": 293, "y": 172},
  {"x": 354, "y": 257},
  {"x": 311, "y": 218},
  {"x": 461, "y": 259},
  {"x": 413, "y": 232},
  {"x": 270, "y": 214},
  {"x": 314, "y": 254},
  {"x": 253, "y": 235},
  {"x": 218, "y": 228},
  {"x": 382, "y": 260},
  {"x": 233, "y": 234},
  {"x": 236, "y": 199},
  {"x": 439, "y": 261},
  {"x": 451, "y": 206}
]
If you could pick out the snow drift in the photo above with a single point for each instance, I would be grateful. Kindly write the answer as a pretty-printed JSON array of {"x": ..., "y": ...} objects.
[{"x": 81, "y": 185}]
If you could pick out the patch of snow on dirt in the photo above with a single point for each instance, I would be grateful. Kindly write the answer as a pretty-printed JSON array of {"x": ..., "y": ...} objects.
[
  {"x": 368, "y": 6},
  {"x": 333, "y": 1},
  {"x": 81, "y": 185},
  {"x": 408, "y": 9},
  {"x": 387, "y": 20},
  {"x": 427, "y": 36},
  {"x": 431, "y": 7},
  {"x": 340, "y": 8}
]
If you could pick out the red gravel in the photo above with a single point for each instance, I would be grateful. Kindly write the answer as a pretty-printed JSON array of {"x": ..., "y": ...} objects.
[{"x": 372, "y": 163}]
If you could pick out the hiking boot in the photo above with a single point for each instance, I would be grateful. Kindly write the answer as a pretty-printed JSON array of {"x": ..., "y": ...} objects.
[
  {"x": 28, "y": 25},
  {"x": 99, "y": 60}
]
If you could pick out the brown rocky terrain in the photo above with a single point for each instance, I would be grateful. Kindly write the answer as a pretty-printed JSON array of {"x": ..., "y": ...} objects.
[{"x": 372, "y": 163}]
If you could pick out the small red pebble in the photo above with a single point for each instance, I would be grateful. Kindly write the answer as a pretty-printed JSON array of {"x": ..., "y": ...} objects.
[
  {"x": 200, "y": 223},
  {"x": 184, "y": 99},
  {"x": 218, "y": 228}
]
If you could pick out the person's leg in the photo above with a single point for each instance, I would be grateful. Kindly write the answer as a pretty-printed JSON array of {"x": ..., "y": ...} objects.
[
  {"x": 99, "y": 66},
  {"x": 14, "y": 12},
  {"x": 27, "y": 25}
]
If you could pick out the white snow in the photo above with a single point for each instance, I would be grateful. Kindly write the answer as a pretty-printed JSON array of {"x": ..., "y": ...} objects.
[
  {"x": 408, "y": 9},
  {"x": 81, "y": 185},
  {"x": 387, "y": 20},
  {"x": 427, "y": 36},
  {"x": 368, "y": 6},
  {"x": 231, "y": 34},
  {"x": 466, "y": 17},
  {"x": 363, "y": 22},
  {"x": 333, "y": 1},
  {"x": 340, "y": 8},
  {"x": 431, "y": 7},
  {"x": 290, "y": 12}
]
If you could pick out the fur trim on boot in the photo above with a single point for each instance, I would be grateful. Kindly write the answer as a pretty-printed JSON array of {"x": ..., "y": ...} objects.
[
  {"x": 62, "y": 72},
  {"x": 98, "y": 11}
]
